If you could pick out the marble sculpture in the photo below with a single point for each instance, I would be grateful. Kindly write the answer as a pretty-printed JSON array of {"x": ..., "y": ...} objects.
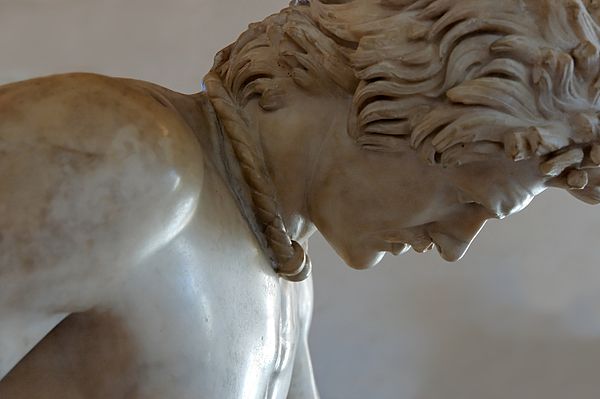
[{"x": 153, "y": 244}]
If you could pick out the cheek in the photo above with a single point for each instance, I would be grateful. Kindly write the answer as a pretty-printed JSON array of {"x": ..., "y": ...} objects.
[{"x": 328, "y": 210}]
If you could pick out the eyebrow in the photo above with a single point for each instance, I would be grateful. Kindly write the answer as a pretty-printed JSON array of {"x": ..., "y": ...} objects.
[{"x": 496, "y": 214}]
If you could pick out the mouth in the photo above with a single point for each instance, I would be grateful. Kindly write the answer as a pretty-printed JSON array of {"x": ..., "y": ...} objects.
[
  {"x": 421, "y": 244},
  {"x": 398, "y": 248},
  {"x": 423, "y": 247}
]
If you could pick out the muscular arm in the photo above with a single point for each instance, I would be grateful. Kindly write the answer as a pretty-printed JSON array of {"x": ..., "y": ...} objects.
[{"x": 95, "y": 175}]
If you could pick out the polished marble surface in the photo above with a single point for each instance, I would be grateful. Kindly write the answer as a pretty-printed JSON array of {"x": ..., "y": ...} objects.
[{"x": 521, "y": 326}]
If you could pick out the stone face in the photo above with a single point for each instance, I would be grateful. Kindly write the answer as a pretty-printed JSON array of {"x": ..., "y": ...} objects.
[{"x": 153, "y": 222}]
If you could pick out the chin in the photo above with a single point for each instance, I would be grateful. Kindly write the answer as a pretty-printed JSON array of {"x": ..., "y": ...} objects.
[
  {"x": 362, "y": 260},
  {"x": 358, "y": 255}
]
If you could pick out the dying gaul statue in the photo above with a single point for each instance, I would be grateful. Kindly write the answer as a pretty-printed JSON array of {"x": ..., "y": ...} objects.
[{"x": 152, "y": 244}]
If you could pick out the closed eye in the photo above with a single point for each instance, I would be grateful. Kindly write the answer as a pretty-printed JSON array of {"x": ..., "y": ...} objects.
[{"x": 464, "y": 198}]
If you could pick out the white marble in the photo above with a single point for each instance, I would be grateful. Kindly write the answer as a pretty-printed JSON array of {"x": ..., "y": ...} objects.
[{"x": 535, "y": 294}]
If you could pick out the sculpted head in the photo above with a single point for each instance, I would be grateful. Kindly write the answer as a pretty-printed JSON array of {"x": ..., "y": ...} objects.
[{"x": 433, "y": 115}]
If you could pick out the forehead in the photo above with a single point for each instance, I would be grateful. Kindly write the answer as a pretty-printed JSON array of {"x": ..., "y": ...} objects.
[{"x": 501, "y": 185}]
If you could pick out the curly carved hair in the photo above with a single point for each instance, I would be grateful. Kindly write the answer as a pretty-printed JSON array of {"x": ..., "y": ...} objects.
[{"x": 456, "y": 80}]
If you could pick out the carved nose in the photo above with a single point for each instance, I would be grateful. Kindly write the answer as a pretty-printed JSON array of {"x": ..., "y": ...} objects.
[{"x": 454, "y": 237}]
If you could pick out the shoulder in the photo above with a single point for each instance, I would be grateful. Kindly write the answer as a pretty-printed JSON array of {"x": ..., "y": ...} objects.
[
  {"x": 96, "y": 175},
  {"x": 96, "y": 114},
  {"x": 101, "y": 167}
]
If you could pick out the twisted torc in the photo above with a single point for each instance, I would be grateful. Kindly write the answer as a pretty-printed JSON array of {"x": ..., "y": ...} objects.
[{"x": 289, "y": 258}]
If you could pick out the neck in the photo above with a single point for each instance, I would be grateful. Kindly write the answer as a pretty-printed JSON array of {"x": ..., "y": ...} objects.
[
  {"x": 289, "y": 166},
  {"x": 292, "y": 141},
  {"x": 289, "y": 258}
]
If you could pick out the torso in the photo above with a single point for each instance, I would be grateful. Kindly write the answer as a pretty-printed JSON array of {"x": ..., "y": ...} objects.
[{"x": 205, "y": 317}]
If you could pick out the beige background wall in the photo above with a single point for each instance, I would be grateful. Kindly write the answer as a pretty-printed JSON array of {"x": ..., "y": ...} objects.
[{"x": 519, "y": 318}]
